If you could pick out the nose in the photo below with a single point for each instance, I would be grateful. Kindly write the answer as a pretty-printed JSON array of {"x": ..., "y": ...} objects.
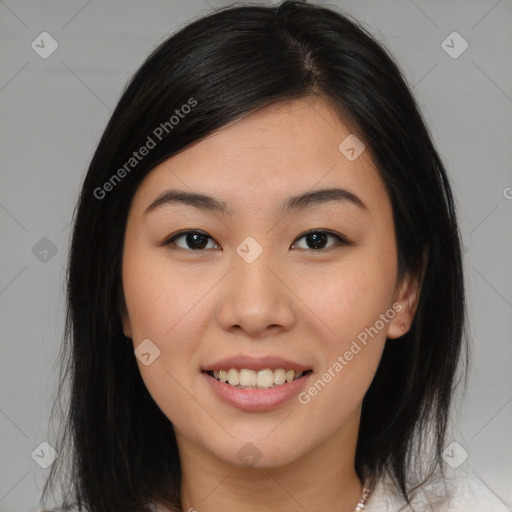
[{"x": 256, "y": 300}]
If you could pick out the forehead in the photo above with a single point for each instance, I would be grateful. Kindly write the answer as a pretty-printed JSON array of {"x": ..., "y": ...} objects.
[{"x": 282, "y": 150}]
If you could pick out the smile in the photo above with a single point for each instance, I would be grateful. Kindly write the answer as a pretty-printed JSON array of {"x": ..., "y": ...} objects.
[
  {"x": 245, "y": 378},
  {"x": 253, "y": 398}
]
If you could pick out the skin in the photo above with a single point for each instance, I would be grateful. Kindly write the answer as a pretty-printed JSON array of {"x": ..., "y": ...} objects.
[{"x": 293, "y": 301}]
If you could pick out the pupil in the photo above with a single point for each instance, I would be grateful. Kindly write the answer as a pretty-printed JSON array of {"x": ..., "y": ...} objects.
[
  {"x": 317, "y": 239},
  {"x": 192, "y": 239}
]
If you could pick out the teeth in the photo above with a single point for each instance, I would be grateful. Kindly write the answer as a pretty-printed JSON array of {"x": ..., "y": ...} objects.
[
  {"x": 247, "y": 378},
  {"x": 279, "y": 376},
  {"x": 262, "y": 379},
  {"x": 233, "y": 377},
  {"x": 265, "y": 379}
]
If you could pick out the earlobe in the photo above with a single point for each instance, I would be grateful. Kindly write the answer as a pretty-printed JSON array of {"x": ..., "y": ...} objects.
[
  {"x": 408, "y": 298},
  {"x": 397, "y": 328}
]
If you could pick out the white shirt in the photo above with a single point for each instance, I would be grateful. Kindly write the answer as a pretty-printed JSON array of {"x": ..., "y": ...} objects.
[{"x": 465, "y": 494}]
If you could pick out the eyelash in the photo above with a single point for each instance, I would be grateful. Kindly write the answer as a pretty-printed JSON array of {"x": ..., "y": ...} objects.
[{"x": 341, "y": 240}]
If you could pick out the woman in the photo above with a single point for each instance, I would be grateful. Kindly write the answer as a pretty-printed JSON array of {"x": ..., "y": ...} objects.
[{"x": 265, "y": 301}]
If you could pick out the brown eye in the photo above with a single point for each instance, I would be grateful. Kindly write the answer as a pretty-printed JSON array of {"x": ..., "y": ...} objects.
[
  {"x": 191, "y": 240},
  {"x": 316, "y": 240}
]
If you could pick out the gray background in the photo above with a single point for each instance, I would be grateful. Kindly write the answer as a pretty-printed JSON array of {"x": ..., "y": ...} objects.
[{"x": 55, "y": 109}]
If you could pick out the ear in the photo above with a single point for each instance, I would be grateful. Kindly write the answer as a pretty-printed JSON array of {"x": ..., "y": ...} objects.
[
  {"x": 407, "y": 297},
  {"x": 123, "y": 312}
]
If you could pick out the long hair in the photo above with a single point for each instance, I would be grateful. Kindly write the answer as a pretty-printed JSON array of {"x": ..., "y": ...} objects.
[{"x": 117, "y": 449}]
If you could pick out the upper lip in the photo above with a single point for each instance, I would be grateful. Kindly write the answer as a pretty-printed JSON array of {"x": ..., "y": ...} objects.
[{"x": 255, "y": 363}]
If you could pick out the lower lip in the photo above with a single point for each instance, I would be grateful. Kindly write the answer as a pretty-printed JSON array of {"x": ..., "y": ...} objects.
[{"x": 256, "y": 400}]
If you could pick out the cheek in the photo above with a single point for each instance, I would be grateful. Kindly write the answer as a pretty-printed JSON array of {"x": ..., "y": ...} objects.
[
  {"x": 351, "y": 295},
  {"x": 159, "y": 307},
  {"x": 158, "y": 297},
  {"x": 350, "y": 350},
  {"x": 353, "y": 299}
]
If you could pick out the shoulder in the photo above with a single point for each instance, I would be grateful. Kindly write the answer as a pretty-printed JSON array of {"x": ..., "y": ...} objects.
[
  {"x": 471, "y": 494},
  {"x": 465, "y": 493}
]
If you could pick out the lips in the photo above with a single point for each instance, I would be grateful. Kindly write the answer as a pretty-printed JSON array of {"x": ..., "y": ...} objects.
[{"x": 256, "y": 383}]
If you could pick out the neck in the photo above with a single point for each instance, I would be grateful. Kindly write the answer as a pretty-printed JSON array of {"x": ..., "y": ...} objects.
[{"x": 322, "y": 479}]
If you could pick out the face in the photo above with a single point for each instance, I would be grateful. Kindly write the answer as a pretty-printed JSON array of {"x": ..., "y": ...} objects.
[{"x": 255, "y": 279}]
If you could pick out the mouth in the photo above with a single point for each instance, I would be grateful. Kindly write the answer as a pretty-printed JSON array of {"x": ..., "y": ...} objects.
[
  {"x": 267, "y": 378},
  {"x": 256, "y": 383}
]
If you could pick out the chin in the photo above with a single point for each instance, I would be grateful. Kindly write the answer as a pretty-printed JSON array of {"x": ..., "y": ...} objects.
[{"x": 258, "y": 451}]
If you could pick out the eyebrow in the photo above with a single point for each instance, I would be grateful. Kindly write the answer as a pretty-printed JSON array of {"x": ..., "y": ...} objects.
[{"x": 299, "y": 202}]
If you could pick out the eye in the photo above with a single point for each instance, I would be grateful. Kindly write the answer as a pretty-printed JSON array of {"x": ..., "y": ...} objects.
[
  {"x": 197, "y": 240},
  {"x": 193, "y": 240},
  {"x": 318, "y": 240}
]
